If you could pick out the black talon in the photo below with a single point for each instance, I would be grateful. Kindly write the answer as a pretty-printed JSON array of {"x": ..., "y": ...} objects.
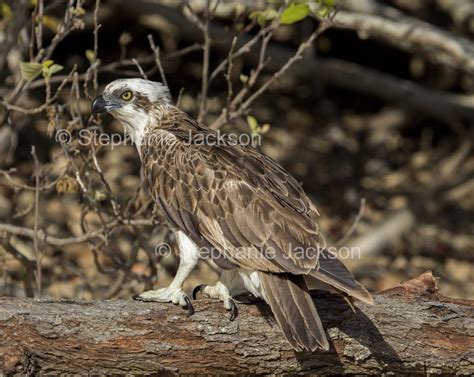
[
  {"x": 197, "y": 289},
  {"x": 189, "y": 306},
  {"x": 234, "y": 312},
  {"x": 137, "y": 297}
]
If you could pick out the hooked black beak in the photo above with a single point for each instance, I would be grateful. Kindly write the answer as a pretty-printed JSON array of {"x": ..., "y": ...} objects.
[{"x": 100, "y": 105}]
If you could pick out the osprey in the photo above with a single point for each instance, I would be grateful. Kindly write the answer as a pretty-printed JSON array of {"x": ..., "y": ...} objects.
[{"x": 239, "y": 206}]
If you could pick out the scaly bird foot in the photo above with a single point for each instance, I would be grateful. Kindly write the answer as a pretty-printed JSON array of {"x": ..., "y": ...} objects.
[
  {"x": 174, "y": 295},
  {"x": 218, "y": 291}
]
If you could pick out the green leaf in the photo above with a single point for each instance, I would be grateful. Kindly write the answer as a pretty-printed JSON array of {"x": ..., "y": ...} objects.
[
  {"x": 50, "y": 22},
  {"x": 55, "y": 68},
  {"x": 30, "y": 70},
  {"x": 124, "y": 40},
  {"x": 265, "y": 128},
  {"x": 5, "y": 11},
  {"x": 243, "y": 78},
  {"x": 100, "y": 195},
  {"x": 326, "y": 3},
  {"x": 254, "y": 14},
  {"x": 79, "y": 11},
  {"x": 253, "y": 124},
  {"x": 48, "y": 72},
  {"x": 239, "y": 26},
  {"x": 47, "y": 63},
  {"x": 267, "y": 14},
  {"x": 239, "y": 9},
  {"x": 90, "y": 55},
  {"x": 294, "y": 13},
  {"x": 263, "y": 16},
  {"x": 324, "y": 7}
]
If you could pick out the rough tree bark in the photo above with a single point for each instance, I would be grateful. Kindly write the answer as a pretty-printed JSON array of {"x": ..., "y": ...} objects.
[{"x": 411, "y": 329}]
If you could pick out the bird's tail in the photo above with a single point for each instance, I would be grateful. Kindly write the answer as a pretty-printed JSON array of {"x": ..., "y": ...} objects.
[
  {"x": 333, "y": 272},
  {"x": 294, "y": 310}
]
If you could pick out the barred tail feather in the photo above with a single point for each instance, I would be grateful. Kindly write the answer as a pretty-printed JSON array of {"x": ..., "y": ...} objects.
[{"x": 294, "y": 310}]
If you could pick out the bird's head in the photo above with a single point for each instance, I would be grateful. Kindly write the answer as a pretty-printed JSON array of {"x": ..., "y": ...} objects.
[{"x": 133, "y": 102}]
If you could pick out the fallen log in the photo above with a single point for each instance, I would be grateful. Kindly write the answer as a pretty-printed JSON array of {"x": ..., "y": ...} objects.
[{"x": 411, "y": 329}]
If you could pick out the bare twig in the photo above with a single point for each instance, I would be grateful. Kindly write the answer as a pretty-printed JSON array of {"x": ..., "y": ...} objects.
[
  {"x": 57, "y": 241},
  {"x": 97, "y": 26},
  {"x": 156, "y": 51},
  {"x": 180, "y": 95},
  {"x": 230, "y": 114},
  {"x": 245, "y": 48},
  {"x": 140, "y": 69},
  {"x": 11, "y": 181},
  {"x": 206, "y": 49},
  {"x": 354, "y": 225},
  {"x": 114, "y": 66},
  {"x": 39, "y": 27},
  {"x": 28, "y": 265},
  {"x": 113, "y": 200},
  {"x": 38, "y": 254},
  {"x": 48, "y": 101},
  {"x": 228, "y": 76}
]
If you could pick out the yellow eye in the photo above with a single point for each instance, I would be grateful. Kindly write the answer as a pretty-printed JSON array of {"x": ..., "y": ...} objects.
[{"x": 127, "y": 96}]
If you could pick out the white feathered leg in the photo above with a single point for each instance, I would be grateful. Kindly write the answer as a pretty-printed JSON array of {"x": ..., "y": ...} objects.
[
  {"x": 189, "y": 255},
  {"x": 232, "y": 283}
]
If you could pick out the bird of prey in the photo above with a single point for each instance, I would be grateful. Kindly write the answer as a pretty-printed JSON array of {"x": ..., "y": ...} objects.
[{"x": 249, "y": 214}]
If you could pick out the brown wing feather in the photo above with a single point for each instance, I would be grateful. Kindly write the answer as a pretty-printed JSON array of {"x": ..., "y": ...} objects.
[
  {"x": 235, "y": 198},
  {"x": 333, "y": 272},
  {"x": 238, "y": 201},
  {"x": 250, "y": 213}
]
